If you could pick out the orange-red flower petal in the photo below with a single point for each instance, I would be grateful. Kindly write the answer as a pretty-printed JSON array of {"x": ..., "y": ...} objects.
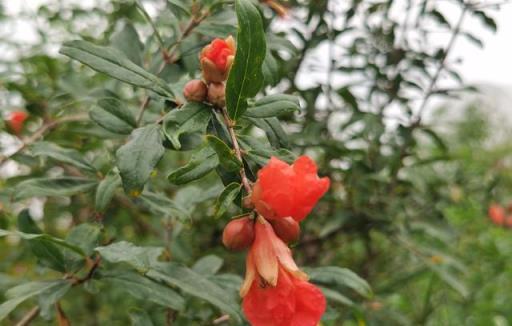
[{"x": 288, "y": 190}]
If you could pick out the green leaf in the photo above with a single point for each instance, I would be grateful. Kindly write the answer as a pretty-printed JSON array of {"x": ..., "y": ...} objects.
[
  {"x": 268, "y": 109},
  {"x": 178, "y": 7},
  {"x": 200, "y": 164},
  {"x": 270, "y": 69},
  {"x": 47, "y": 253},
  {"x": 49, "y": 297},
  {"x": 336, "y": 296},
  {"x": 226, "y": 198},
  {"x": 127, "y": 41},
  {"x": 139, "y": 258},
  {"x": 193, "y": 117},
  {"x": 273, "y": 130},
  {"x": 111, "y": 114},
  {"x": 145, "y": 289},
  {"x": 163, "y": 205},
  {"x": 246, "y": 78},
  {"x": 137, "y": 158},
  {"x": 226, "y": 155},
  {"x": 106, "y": 190},
  {"x": 140, "y": 318},
  {"x": 46, "y": 237},
  {"x": 48, "y": 187},
  {"x": 115, "y": 64},
  {"x": 208, "y": 265},
  {"x": 65, "y": 155},
  {"x": 86, "y": 236},
  {"x": 20, "y": 293},
  {"x": 195, "y": 284},
  {"x": 333, "y": 275}
]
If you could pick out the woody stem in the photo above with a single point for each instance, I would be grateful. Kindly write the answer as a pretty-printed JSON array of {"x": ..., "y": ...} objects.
[{"x": 236, "y": 148}]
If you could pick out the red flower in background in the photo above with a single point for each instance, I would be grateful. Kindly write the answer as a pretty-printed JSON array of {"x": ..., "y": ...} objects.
[
  {"x": 497, "y": 214},
  {"x": 288, "y": 190},
  {"x": 216, "y": 59},
  {"x": 275, "y": 292},
  {"x": 16, "y": 120}
]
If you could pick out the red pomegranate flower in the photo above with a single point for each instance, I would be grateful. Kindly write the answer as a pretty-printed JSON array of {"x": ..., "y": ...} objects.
[
  {"x": 288, "y": 190},
  {"x": 216, "y": 59},
  {"x": 497, "y": 214},
  {"x": 275, "y": 292},
  {"x": 16, "y": 120}
]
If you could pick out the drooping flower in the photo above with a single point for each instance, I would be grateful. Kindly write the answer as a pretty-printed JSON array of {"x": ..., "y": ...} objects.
[
  {"x": 275, "y": 292},
  {"x": 288, "y": 190},
  {"x": 216, "y": 59},
  {"x": 497, "y": 214},
  {"x": 15, "y": 121}
]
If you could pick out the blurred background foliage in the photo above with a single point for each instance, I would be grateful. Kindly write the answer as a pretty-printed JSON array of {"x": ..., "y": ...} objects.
[{"x": 410, "y": 192}]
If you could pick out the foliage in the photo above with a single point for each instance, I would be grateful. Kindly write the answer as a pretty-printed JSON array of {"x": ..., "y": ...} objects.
[{"x": 137, "y": 184}]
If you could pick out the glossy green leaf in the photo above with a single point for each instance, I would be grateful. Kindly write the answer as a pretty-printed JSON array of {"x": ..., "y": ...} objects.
[
  {"x": 193, "y": 117},
  {"x": 114, "y": 63},
  {"x": 106, "y": 190},
  {"x": 48, "y": 187},
  {"x": 200, "y": 164},
  {"x": 139, "y": 156},
  {"x": 113, "y": 115},
  {"x": 246, "y": 78},
  {"x": 61, "y": 154},
  {"x": 226, "y": 155},
  {"x": 226, "y": 198}
]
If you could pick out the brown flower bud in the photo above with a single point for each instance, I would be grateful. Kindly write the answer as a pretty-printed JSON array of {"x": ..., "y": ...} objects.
[
  {"x": 195, "y": 91},
  {"x": 286, "y": 228},
  {"x": 238, "y": 234},
  {"x": 217, "y": 94}
]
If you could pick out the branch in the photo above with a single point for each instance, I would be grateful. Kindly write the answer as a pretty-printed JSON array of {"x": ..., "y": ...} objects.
[
  {"x": 236, "y": 148},
  {"x": 39, "y": 133}
]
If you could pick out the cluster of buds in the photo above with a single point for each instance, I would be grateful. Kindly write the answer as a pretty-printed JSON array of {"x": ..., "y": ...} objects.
[
  {"x": 15, "y": 122},
  {"x": 275, "y": 291},
  {"x": 500, "y": 215},
  {"x": 216, "y": 60}
]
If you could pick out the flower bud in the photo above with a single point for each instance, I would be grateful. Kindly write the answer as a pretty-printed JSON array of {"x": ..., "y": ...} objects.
[
  {"x": 497, "y": 214},
  {"x": 15, "y": 121},
  {"x": 286, "y": 228},
  {"x": 216, "y": 59},
  {"x": 217, "y": 94},
  {"x": 195, "y": 91},
  {"x": 238, "y": 234}
]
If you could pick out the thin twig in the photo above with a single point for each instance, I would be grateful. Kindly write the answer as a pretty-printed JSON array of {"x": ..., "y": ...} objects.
[
  {"x": 236, "y": 148},
  {"x": 42, "y": 131}
]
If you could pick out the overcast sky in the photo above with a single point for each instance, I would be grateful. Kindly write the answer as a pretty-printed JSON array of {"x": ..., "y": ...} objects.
[{"x": 492, "y": 64}]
